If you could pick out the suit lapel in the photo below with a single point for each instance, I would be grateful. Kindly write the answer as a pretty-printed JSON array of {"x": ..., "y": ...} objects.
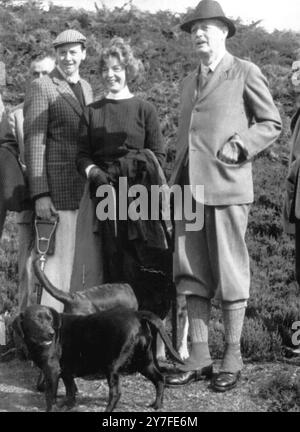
[
  {"x": 66, "y": 92},
  {"x": 190, "y": 98},
  {"x": 219, "y": 75},
  {"x": 192, "y": 91}
]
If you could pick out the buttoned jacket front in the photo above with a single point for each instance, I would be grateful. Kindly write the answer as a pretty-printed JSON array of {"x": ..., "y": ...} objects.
[
  {"x": 236, "y": 99},
  {"x": 51, "y": 120}
]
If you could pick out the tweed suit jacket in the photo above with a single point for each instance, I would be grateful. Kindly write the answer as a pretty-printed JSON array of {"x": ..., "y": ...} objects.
[
  {"x": 51, "y": 120},
  {"x": 235, "y": 100}
]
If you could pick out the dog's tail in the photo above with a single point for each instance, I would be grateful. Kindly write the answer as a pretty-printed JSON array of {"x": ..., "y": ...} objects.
[
  {"x": 157, "y": 323},
  {"x": 58, "y": 294}
]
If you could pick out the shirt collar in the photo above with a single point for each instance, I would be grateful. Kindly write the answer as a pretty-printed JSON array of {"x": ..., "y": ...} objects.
[
  {"x": 212, "y": 67},
  {"x": 70, "y": 79},
  {"x": 123, "y": 94}
]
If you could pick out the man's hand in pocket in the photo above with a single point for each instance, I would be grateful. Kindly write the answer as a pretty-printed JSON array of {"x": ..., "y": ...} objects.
[{"x": 233, "y": 151}]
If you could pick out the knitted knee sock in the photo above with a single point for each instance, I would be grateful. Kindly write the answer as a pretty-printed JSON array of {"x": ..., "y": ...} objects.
[
  {"x": 198, "y": 310},
  {"x": 233, "y": 318}
]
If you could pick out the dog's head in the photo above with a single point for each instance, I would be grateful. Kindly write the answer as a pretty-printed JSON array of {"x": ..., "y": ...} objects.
[{"x": 37, "y": 325}]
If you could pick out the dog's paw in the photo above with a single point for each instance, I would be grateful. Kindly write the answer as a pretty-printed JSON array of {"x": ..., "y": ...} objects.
[
  {"x": 41, "y": 383},
  {"x": 66, "y": 408},
  {"x": 156, "y": 405},
  {"x": 66, "y": 404},
  {"x": 55, "y": 408}
]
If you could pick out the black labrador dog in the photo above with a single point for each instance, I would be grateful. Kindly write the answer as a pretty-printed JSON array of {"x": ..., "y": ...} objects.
[
  {"x": 103, "y": 344},
  {"x": 149, "y": 293},
  {"x": 91, "y": 300}
]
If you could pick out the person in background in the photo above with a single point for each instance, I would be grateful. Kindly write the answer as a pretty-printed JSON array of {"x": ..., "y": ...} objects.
[
  {"x": 12, "y": 138},
  {"x": 2, "y": 112},
  {"x": 291, "y": 210},
  {"x": 52, "y": 110},
  {"x": 227, "y": 117}
]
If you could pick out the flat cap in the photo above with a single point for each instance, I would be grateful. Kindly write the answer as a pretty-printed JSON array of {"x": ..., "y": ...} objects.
[{"x": 69, "y": 36}]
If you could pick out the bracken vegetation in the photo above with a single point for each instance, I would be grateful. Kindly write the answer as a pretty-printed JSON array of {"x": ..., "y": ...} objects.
[
  {"x": 165, "y": 51},
  {"x": 282, "y": 392}
]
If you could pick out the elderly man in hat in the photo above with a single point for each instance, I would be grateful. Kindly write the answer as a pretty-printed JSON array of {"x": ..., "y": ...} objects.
[
  {"x": 52, "y": 111},
  {"x": 227, "y": 117}
]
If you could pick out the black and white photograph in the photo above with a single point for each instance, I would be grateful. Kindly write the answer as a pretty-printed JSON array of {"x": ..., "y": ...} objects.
[{"x": 149, "y": 210}]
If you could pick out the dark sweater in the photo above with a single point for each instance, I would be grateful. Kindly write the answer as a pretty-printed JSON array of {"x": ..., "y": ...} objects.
[
  {"x": 110, "y": 128},
  {"x": 77, "y": 90}
]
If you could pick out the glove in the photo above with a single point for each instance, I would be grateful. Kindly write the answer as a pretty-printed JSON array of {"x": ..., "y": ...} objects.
[{"x": 97, "y": 176}]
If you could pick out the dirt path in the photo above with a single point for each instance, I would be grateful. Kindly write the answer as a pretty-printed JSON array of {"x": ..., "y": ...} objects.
[{"x": 17, "y": 392}]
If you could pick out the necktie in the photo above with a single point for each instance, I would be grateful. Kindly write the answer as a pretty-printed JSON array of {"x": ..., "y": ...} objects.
[{"x": 204, "y": 77}]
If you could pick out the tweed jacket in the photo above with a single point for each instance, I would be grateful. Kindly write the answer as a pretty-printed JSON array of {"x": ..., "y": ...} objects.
[
  {"x": 51, "y": 120},
  {"x": 235, "y": 100}
]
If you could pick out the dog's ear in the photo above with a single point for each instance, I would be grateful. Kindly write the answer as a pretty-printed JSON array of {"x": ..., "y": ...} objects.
[
  {"x": 56, "y": 319},
  {"x": 17, "y": 325}
]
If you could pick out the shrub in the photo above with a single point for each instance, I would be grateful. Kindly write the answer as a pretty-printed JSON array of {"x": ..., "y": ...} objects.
[
  {"x": 258, "y": 343},
  {"x": 282, "y": 390},
  {"x": 216, "y": 336}
]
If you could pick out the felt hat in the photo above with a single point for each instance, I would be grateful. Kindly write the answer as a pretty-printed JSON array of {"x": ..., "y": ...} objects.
[{"x": 207, "y": 9}]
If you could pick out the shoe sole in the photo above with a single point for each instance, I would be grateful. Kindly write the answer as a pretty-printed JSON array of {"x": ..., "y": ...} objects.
[{"x": 224, "y": 389}]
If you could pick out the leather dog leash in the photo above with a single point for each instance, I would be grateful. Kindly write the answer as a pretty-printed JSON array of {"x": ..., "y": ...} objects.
[{"x": 44, "y": 234}]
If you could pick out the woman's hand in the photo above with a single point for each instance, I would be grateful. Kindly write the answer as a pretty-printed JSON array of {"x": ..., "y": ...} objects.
[{"x": 97, "y": 176}]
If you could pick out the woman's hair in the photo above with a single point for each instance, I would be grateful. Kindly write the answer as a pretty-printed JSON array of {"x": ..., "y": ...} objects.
[{"x": 123, "y": 52}]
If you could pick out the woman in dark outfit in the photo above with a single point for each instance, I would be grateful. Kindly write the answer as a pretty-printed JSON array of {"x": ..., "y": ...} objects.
[{"x": 120, "y": 137}]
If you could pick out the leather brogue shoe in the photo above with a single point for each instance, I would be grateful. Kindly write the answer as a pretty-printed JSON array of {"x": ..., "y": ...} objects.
[
  {"x": 224, "y": 381},
  {"x": 183, "y": 378}
]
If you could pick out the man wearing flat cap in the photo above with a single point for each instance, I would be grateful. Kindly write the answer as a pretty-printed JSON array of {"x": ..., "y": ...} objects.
[
  {"x": 227, "y": 117},
  {"x": 52, "y": 110}
]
